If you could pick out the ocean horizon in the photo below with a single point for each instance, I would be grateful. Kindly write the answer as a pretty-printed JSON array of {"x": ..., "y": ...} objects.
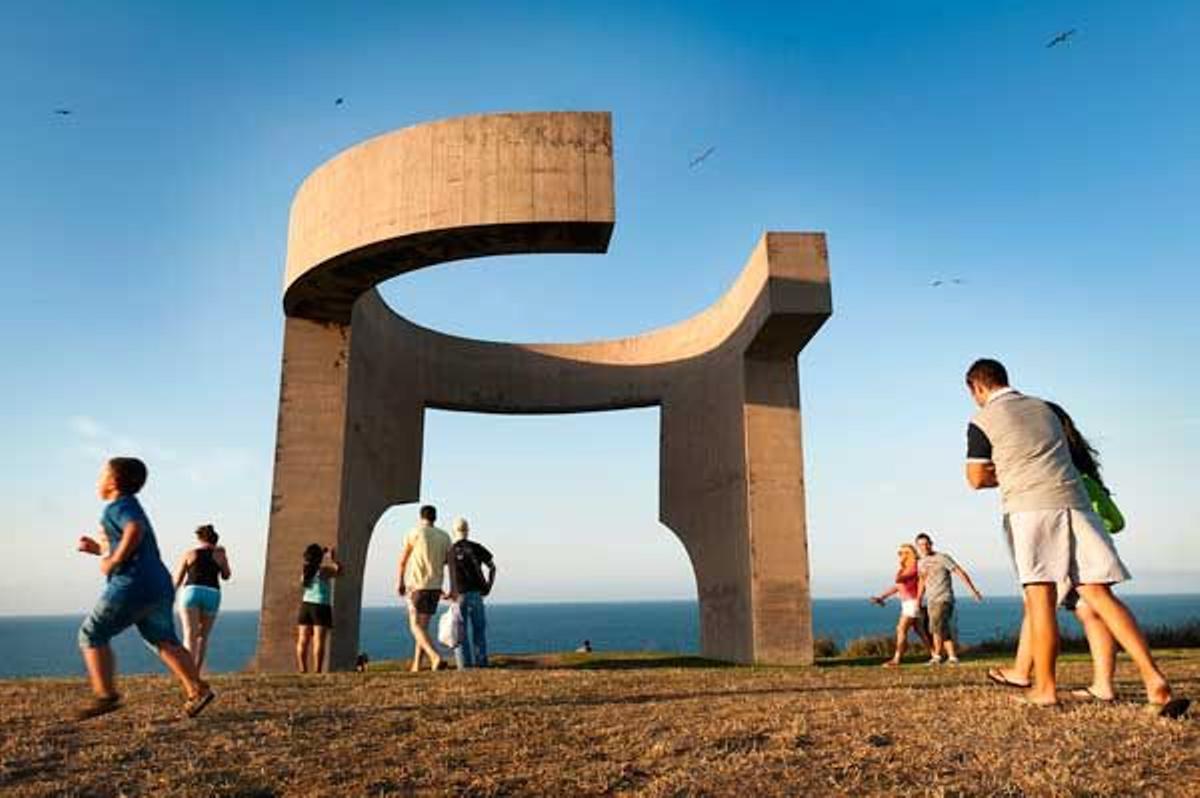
[{"x": 45, "y": 645}]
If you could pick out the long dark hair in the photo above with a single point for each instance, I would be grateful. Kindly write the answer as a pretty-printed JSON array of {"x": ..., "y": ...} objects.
[
  {"x": 1085, "y": 456},
  {"x": 207, "y": 534},
  {"x": 313, "y": 554}
]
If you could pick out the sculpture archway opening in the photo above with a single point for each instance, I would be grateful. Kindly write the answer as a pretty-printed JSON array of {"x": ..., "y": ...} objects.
[
  {"x": 569, "y": 505},
  {"x": 357, "y": 378}
]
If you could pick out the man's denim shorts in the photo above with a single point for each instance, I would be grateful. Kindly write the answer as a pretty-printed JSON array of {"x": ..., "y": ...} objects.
[{"x": 119, "y": 609}]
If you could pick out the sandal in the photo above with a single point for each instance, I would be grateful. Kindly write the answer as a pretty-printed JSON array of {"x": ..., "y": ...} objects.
[
  {"x": 100, "y": 705},
  {"x": 196, "y": 704},
  {"x": 996, "y": 676}
]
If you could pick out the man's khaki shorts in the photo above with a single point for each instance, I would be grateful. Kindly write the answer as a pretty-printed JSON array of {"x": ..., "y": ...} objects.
[
  {"x": 1066, "y": 547},
  {"x": 941, "y": 619}
]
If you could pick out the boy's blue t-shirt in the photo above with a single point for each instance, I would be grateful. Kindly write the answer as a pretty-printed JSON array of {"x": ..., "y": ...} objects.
[{"x": 144, "y": 571}]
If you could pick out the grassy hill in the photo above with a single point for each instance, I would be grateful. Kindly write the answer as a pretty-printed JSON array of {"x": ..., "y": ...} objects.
[{"x": 601, "y": 725}]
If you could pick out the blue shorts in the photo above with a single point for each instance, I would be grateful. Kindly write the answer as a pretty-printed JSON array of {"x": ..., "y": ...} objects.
[
  {"x": 117, "y": 610},
  {"x": 200, "y": 597}
]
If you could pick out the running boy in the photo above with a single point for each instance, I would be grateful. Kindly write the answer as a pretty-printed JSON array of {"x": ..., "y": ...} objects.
[{"x": 138, "y": 592}]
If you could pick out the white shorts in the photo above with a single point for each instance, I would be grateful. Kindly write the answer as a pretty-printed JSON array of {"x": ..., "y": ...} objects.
[
  {"x": 910, "y": 608},
  {"x": 1067, "y": 547}
]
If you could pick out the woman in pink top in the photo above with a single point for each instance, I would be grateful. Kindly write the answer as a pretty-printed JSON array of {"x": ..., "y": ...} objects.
[{"x": 910, "y": 606}]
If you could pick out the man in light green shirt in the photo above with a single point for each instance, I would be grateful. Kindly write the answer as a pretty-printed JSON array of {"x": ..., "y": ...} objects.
[{"x": 421, "y": 576}]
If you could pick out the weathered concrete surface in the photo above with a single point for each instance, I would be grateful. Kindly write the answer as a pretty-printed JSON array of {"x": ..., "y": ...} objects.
[{"x": 357, "y": 377}]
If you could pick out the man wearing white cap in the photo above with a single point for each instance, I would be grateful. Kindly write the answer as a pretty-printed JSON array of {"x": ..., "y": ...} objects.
[{"x": 468, "y": 585}]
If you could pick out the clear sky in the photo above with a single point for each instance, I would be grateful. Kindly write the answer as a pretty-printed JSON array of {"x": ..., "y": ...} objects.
[{"x": 142, "y": 241}]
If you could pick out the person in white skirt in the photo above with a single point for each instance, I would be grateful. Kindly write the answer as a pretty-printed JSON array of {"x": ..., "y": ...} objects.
[{"x": 906, "y": 587}]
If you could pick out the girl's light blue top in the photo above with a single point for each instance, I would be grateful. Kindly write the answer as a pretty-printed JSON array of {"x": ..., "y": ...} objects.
[{"x": 317, "y": 591}]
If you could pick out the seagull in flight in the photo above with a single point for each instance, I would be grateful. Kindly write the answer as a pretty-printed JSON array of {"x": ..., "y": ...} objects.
[
  {"x": 699, "y": 159},
  {"x": 62, "y": 111},
  {"x": 1061, "y": 38},
  {"x": 952, "y": 281},
  {"x": 339, "y": 101}
]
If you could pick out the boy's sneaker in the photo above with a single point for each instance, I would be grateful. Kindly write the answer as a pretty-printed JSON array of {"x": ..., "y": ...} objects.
[
  {"x": 196, "y": 704},
  {"x": 100, "y": 705},
  {"x": 934, "y": 660},
  {"x": 952, "y": 661}
]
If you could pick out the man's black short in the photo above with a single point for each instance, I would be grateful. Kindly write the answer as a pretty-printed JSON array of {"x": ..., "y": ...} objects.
[{"x": 425, "y": 602}]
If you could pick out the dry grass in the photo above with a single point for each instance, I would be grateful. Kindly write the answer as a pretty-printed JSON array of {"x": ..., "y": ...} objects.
[{"x": 638, "y": 728}]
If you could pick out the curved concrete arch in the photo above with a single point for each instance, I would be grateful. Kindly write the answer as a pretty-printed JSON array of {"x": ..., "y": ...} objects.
[
  {"x": 494, "y": 184},
  {"x": 357, "y": 377}
]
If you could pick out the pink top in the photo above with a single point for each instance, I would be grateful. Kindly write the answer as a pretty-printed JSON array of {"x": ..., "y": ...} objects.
[{"x": 907, "y": 582}]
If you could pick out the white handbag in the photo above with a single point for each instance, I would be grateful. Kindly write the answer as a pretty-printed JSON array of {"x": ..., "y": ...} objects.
[{"x": 450, "y": 626}]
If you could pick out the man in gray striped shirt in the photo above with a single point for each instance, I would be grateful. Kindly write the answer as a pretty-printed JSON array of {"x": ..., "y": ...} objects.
[{"x": 1017, "y": 444}]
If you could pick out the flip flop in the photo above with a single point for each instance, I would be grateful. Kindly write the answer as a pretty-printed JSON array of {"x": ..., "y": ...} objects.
[
  {"x": 1173, "y": 709},
  {"x": 1086, "y": 694},
  {"x": 996, "y": 676}
]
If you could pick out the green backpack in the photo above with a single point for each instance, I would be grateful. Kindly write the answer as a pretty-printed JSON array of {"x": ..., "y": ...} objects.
[{"x": 1103, "y": 504}]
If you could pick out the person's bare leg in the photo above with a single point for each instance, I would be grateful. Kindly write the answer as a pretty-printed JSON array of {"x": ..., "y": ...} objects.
[
  {"x": 417, "y": 651},
  {"x": 936, "y": 649},
  {"x": 1022, "y": 668},
  {"x": 190, "y": 619},
  {"x": 950, "y": 648},
  {"x": 101, "y": 668},
  {"x": 180, "y": 661},
  {"x": 1122, "y": 625},
  {"x": 901, "y": 641},
  {"x": 1043, "y": 628},
  {"x": 303, "y": 636},
  {"x": 420, "y": 630},
  {"x": 206, "y": 625},
  {"x": 322, "y": 641},
  {"x": 1103, "y": 649}
]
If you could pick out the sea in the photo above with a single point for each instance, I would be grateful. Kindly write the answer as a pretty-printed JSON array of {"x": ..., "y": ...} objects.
[{"x": 46, "y": 645}]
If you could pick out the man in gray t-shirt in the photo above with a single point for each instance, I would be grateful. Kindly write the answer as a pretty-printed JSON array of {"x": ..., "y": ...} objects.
[{"x": 936, "y": 589}]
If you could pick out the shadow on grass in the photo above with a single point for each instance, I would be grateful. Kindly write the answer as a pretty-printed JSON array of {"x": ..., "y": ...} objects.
[{"x": 616, "y": 662}]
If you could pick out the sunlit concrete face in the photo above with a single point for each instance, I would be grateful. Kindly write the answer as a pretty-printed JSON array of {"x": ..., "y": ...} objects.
[{"x": 357, "y": 378}]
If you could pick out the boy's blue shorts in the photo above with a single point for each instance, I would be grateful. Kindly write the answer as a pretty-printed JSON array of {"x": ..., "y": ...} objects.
[{"x": 118, "y": 609}]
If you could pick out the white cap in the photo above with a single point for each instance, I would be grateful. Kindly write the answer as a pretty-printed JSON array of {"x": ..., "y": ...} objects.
[{"x": 461, "y": 528}]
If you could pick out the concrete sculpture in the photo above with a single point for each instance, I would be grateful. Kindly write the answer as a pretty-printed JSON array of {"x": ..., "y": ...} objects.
[{"x": 357, "y": 377}]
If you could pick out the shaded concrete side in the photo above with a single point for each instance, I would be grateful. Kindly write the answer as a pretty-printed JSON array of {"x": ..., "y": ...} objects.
[
  {"x": 306, "y": 500},
  {"x": 383, "y": 443},
  {"x": 703, "y": 500},
  {"x": 778, "y": 539}
]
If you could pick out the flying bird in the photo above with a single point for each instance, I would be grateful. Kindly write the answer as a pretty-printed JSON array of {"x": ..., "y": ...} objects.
[
  {"x": 699, "y": 159},
  {"x": 952, "y": 281},
  {"x": 339, "y": 101},
  {"x": 62, "y": 111},
  {"x": 1061, "y": 38}
]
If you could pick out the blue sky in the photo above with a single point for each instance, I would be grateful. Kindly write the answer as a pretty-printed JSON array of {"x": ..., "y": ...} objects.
[{"x": 144, "y": 239}]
